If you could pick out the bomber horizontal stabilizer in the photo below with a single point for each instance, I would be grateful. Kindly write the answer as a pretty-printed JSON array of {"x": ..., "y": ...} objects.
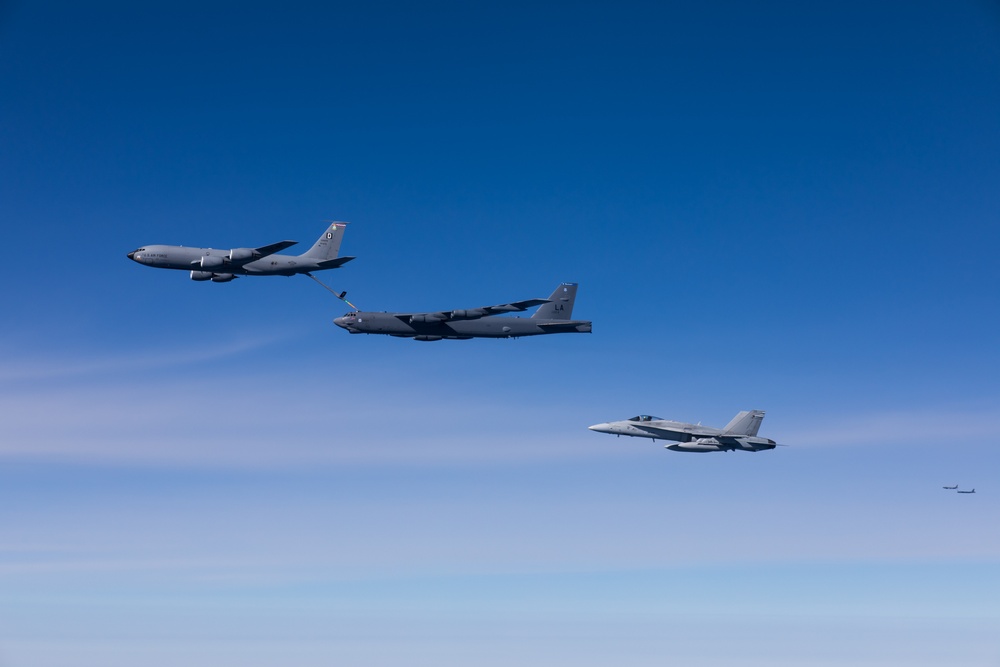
[{"x": 566, "y": 324}]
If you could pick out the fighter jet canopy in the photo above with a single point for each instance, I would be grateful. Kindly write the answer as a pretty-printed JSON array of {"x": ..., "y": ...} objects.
[{"x": 645, "y": 418}]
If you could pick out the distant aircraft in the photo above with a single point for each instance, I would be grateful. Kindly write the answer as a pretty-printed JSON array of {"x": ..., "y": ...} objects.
[
  {"x": 552, "y": 317},
  {"x": 221, "y": 266},
  {"x": 950, "y": 488},
  {"x": 739, "y": 434},
  {"x": 973, "y": 491}
]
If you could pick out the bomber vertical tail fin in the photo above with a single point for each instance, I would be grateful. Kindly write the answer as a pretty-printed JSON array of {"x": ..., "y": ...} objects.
[
  {"x": 560, "y": 306},
  {"x": 328, "y": 245},
  {"x": 745, "y": 423}
]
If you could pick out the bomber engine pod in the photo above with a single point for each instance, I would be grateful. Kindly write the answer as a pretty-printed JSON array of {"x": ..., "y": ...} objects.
[{"x": 427, "y": 318}]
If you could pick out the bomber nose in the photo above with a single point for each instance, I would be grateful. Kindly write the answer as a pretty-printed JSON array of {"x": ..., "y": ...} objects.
[
  {"x": 339, "y": 321},
  {"x": 131, "y": 255}
]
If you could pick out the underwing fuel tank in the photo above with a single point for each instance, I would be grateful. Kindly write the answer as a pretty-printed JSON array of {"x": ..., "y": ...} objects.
[{"x": 700, "y": 445}]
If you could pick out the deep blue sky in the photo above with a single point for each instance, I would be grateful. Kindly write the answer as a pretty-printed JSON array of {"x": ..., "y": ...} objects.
[{"x": 787, "y": 207}]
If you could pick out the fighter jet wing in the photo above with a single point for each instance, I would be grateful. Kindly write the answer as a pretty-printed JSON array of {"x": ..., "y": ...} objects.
[
  {"x": 659, "y": 431},
  {"x": 471, "y": 313},
  {"x": 690, "y": 429}
]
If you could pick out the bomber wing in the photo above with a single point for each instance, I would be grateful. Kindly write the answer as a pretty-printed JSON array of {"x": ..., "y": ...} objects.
[{"x": 470, "y": 313}]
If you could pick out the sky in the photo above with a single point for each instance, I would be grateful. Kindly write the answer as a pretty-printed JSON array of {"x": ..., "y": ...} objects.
[{"x": 780, "y": 206}]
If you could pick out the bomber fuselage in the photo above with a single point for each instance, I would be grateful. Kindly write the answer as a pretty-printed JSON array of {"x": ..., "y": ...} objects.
[{"x": 484, "y": 327}]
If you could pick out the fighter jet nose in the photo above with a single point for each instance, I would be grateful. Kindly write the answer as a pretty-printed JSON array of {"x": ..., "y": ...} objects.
[{"x": 600, "y": 428}]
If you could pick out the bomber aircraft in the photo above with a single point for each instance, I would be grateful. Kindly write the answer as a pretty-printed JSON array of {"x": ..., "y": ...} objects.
[
  {"x": 221, "y": 266},
  {"x": 552, "y": 316},
  {"x": 973, "y": 491},
  {"x": 739, "y": 434}
]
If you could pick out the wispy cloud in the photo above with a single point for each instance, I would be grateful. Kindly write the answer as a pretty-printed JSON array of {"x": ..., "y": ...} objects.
[
  {"x": 278, "y": 419},
  {"x": 924, "y": 425},
  {"x": 20, "y": 369}
]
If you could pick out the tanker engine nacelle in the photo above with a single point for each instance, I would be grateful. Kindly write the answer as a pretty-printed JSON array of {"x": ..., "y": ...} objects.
[
  {"x": 241, "y": 254},
  {"x": 210, "y": 262},
  {"x": 202, "y": 276}
]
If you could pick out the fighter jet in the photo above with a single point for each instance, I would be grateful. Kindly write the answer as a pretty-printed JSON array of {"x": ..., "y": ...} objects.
[
  {"x": 739, "y": 434},
  {"x": 950, "y": 488},
  {"x": 973, "y": 491},
  {"x": 552, "y": 316},
  {"x": 221, "y": 266}
]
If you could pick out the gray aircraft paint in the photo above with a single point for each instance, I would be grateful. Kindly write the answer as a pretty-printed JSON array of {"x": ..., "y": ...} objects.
[
  {"x": 223, "y": 265},
  {"x": 552, "y": 316},
  {"x": 739, "y": 434}
]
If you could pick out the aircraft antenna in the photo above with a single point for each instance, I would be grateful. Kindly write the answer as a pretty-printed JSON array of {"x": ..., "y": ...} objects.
[{"x": 339, "y": 295}]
